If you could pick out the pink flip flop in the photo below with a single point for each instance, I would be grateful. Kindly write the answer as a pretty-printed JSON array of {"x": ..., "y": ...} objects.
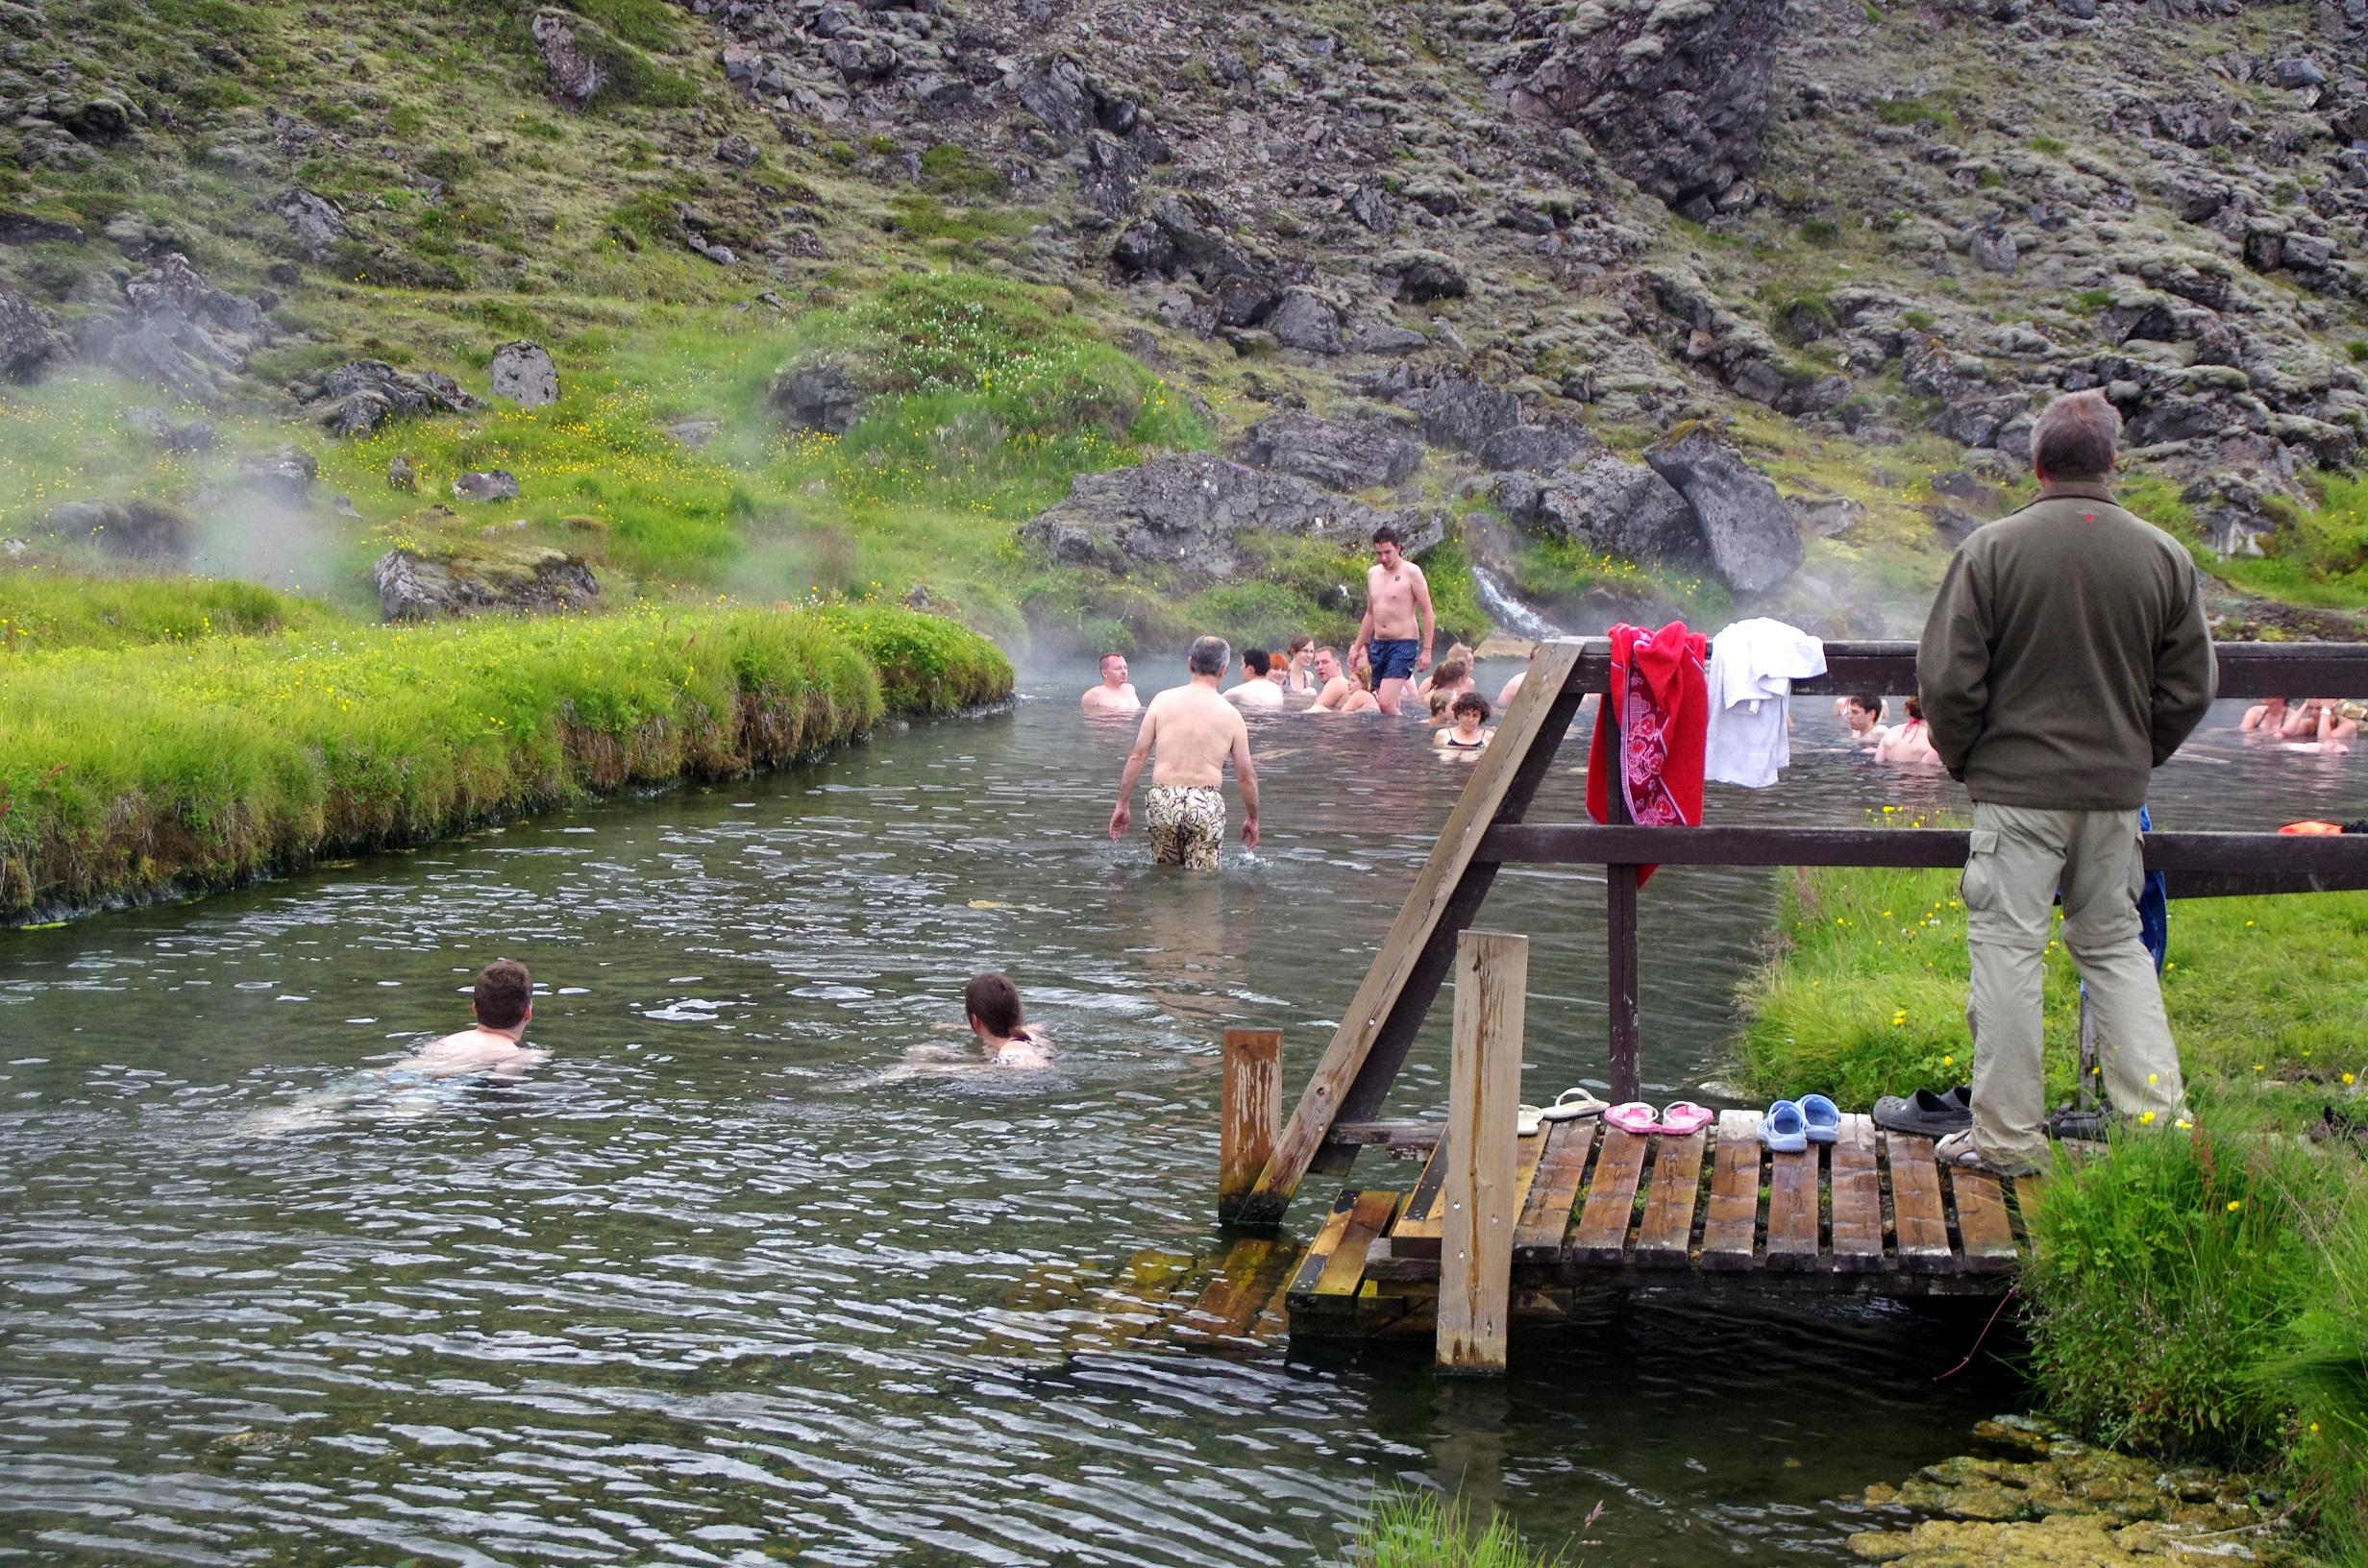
[
  {"x": 1683, "y": 1116},
  {"x": 1634, "y": 1117}
]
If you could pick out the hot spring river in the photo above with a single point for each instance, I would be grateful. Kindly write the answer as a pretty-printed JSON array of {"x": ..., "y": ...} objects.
[{"x": 710, "y": 1291}]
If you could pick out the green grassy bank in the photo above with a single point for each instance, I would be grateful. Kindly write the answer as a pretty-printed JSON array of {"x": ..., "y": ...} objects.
[
  {"x": 2199, "y": 1292},
  {"x": 44, "y": 611},
  {"x": 131, "y": 770},
  {"x": 1866, "y": 994}
]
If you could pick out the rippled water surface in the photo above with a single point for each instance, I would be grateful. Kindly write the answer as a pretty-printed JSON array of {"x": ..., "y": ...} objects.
[{"x": 728, "y": 1282}]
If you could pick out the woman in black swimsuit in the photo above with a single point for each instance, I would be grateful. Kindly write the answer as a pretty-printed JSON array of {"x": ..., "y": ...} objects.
[{"x": 1466, "y": 737}]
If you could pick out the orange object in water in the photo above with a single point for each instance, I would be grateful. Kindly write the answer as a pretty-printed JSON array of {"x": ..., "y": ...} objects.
[{"x": 2311, "y": 827}]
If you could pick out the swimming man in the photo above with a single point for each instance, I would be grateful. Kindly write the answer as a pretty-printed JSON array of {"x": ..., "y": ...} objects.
[
  {"x": 504, "y": 1003},
  {"x": 1398, "y": 606},
  {"x": 1116, "y": 694},
  {"x": 1195, "y": 732}
]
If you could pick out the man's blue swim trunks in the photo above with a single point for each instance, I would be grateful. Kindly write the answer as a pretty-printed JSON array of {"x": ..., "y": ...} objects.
[{"x": 1392, "y": 660}]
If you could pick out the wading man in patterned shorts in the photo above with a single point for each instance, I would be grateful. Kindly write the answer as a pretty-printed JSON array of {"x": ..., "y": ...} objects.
[{"x": 1192, "y": 731}]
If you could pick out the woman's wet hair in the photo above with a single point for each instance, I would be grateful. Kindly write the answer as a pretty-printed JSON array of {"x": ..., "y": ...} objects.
[
  {"x": 1472, "y": 702},
  {"x": 1440, "y": 700},
  {"x": 1915, "y": 707},
  {"x": 1450, "y": 671},
  {"x": 504, "y": 993},
  {"x": 994, "y": 1003}
]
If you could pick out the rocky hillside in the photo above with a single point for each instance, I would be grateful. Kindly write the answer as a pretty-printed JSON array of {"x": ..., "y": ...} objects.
[{"x": 1654, "y": 303}]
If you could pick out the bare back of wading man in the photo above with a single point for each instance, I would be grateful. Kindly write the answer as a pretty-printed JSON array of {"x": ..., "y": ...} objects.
[
  {"x": 2065, "y": 658},
  {"x": 1397, "y": 612},
  {"x": 1194, "y": 732}
]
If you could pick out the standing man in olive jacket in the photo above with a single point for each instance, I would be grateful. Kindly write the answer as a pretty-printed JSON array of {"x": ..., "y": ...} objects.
[{"x": 2065, "y": 658}]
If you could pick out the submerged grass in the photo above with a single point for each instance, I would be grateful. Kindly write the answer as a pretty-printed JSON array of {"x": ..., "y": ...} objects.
[{"x": 130, "y": 771}]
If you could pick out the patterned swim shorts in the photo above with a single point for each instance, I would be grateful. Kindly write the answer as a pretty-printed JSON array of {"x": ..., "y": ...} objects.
[{"x": 1188, "y": 825}]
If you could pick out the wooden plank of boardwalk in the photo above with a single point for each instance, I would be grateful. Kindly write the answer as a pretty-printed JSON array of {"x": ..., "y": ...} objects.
[
  {"x": 1553, "y": 1192},
  {"x": 1986, "y": 1234},
  {"x": 1855, "y": 1188},
  {"x": 1919, "y": 1225},
  {"x": 1667, "y": 1228},
  {"x": 1792, "y": 1209},
  {"x": 1731, "y": 1227},
  {"x": 1611, "y": 1200}
]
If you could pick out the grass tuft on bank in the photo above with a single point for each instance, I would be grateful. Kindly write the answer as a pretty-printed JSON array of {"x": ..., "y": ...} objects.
[
  {"x": 2198, "y": 1296},
  {"x": 1422, "y": 1529},
  {"x": 131, "y": 771}
]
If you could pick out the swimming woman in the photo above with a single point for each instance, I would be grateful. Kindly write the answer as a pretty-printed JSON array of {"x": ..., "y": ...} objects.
[{"x": 992, "y": 1003}]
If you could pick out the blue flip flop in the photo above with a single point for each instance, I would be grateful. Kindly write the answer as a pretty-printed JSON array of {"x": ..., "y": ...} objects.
[
  {"x": 1783, "y": 1129},
  {"x": 1822, "y": 1116}
]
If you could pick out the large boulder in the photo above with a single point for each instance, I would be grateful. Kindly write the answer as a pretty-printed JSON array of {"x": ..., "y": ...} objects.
[
  {"x": 575, "y": 76},
  {"x": 26, "y": 342},
  {"x": 1745, "y": 527},
  {"x": 1183, "y": 515},
  {"x": 177, "y": 332},
  {"x": 1537, "y": 448},
  {"x": 135, "y": 529},
  {"x": 1674, "y": 94},
  {"x": 825, "y": 394},
  {"x": 416, "y": 587},
  {"x": 1338, "y": 455},
  {"x": 1419, "y": 277},
  {"x": 1306, "y": 322},
  {"x": 315, "y": 223},
  {"x": 361, "y": 395},
  {"x": 1461, "y": 412},
  {"x": 524, "y": 373},
  {"x": 1606, "y": 504}
]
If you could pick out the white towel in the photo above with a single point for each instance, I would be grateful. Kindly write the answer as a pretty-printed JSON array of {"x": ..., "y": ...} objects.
[{"x": 1753, "y": 666}]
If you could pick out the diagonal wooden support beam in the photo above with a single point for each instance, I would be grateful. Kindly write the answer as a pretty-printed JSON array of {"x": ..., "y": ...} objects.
[{"x": 1369, "y": 1047}]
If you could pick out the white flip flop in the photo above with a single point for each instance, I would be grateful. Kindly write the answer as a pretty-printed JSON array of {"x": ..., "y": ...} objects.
[
  {"x": 1527, "y": 1120},
  {"x": 1573, "y": 1105}
]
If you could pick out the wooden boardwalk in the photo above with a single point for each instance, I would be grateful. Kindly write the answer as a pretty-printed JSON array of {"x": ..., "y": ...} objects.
[{"x": 1871, "y": 1213}]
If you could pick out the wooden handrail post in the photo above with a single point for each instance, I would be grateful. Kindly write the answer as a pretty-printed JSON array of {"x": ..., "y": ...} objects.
[
  {"x": 1250, "y": 1113},
  {"x": 1484, "y": 1095},
  {"x": 1619, "y": 920}
]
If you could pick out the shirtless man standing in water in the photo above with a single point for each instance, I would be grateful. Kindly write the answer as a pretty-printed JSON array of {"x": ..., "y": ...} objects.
[
  {"x": 1397, "y": 602},
  {"x": 1116, "y": 694},
  {"x": 1196, "y": 732}
]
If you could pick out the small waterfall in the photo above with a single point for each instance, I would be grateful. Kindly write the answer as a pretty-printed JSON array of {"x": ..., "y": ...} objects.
[{"x": 1510, "y": 612}]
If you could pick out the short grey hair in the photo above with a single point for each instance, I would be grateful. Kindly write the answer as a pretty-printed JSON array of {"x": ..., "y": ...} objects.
[
  {"x": 1209, "y": 656},
  {"x": 2075, "y": 437}
]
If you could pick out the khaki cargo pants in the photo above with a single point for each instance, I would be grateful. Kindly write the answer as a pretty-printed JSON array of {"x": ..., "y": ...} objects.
[{"x": 2018, "y": 858}]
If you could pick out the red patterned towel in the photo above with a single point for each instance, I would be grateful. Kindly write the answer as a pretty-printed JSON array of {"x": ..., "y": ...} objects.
[{"x": 1665, "y": 713}]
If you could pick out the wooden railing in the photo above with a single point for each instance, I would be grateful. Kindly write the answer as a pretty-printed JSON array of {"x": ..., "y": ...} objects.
[{"x": 1337, "y": 1112}]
